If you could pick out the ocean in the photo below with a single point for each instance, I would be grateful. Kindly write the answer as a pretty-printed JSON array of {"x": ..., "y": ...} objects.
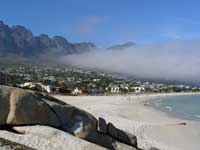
[{"x": 185, "y": 106}]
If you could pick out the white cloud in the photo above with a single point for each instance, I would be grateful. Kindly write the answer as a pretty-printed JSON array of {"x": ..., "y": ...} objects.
[{"x": 170, "y": 60}]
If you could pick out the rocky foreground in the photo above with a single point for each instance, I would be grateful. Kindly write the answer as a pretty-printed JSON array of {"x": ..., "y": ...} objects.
[
  {"x": 43, "y": 122},
  {"x": 9, "y": 145}
]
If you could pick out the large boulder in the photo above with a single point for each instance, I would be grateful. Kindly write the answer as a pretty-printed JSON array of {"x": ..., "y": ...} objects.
[
  {"x": 73, "y": 120},
  {"x": 108, "y": 141},
  {"x": 102, "y": 126},
  {"x": 121, "y": 136},
  {"x": 4, "y": 104},
  {"x": 25, "y": 108},
  {"x": 21, "y": 107}
]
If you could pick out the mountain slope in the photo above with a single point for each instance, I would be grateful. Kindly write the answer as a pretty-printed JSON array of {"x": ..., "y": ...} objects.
[
  {"x": 121, "y": 46},
  {"x": 21, "y": 41}
]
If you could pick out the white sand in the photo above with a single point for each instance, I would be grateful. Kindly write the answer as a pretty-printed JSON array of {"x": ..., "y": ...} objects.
[{"x": 152, "y": 127}]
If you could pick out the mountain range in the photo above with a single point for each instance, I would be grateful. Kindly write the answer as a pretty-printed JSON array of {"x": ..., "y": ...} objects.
[
  {"x": 21, "y": 41},
  {"x": 122, "y": 46}
]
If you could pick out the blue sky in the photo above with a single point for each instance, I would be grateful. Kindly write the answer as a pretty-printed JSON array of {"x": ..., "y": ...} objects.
[{"x": 107, "y": 22}]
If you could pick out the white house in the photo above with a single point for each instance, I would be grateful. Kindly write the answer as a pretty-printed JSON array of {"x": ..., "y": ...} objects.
[
  {"x": 76, "y": 91},
  {"x": 114, "y": 89},
  {"x": 28, "y": 84},
  {"x": 47, "y": 88},
  {"x": 139, "y": 90}
]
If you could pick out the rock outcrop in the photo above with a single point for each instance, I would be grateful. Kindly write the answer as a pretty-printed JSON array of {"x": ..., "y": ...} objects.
[
  {"x": 47, "y": 138},
  {"x": 20, "y": 107},
  {"x": 102, "y": 126},
  {"x": 122, "y": 136},
  {"x": 9, "y": 145},
  {"x": 26, "y": 108}
]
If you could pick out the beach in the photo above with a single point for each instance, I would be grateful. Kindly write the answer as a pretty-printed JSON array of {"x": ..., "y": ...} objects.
[{"x": 152, "y": 127}]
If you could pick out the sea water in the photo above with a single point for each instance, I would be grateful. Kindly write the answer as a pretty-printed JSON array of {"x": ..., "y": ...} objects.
[{"x": 187, "y": 106}]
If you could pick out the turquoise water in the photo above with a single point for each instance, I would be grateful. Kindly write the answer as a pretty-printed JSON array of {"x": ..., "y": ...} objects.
[{"x": 185, "y": 106}]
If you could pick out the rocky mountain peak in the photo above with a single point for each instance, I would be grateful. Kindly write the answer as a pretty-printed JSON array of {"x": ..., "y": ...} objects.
[{"x": 19, "y": 39}]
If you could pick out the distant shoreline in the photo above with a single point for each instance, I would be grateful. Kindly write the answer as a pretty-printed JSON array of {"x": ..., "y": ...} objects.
[
  {"x": 154, "y": 104},
  {"x": 142, "y": 94}
]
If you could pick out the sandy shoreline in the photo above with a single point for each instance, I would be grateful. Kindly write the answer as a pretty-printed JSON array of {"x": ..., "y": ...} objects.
[{"x": 152, "y": 127}]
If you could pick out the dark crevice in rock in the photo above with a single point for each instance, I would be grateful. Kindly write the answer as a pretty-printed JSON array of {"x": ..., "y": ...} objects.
[
  {"x": 9, "y": 128},
  {"x": 7, "y": 144}
]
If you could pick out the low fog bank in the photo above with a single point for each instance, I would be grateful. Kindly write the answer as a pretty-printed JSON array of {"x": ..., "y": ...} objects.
[{"x": 173, "y": 60}]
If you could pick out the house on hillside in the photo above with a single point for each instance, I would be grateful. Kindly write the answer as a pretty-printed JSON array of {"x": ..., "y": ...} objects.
[
  {"x": 139, "y": 90},
  {"x": 76, "y": 92},
  {"x": 31, "y": 85},
  {"x": 115, "y": 89},
  {"x": 47, "y": 88}
]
